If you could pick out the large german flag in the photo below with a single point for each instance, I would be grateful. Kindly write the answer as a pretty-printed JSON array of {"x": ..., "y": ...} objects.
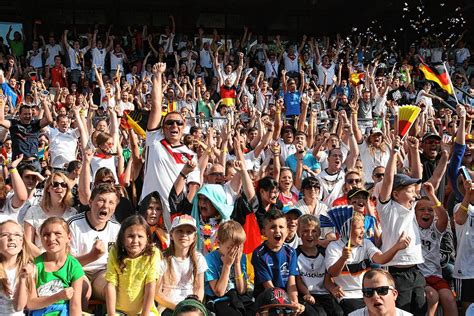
[{"x": 437, "y": 74}]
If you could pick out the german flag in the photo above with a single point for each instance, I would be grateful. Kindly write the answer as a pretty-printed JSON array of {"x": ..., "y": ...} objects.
[{"x": 437, "y": 74}]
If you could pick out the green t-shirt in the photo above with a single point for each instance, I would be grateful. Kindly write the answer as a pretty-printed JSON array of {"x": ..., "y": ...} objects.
[
  {"x": 49, "y": 283},
  {"x": 202, "y": 107},
  {"x": 16, "y": 47}
]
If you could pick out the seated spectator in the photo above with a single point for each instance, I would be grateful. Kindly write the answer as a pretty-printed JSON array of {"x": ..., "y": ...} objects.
[
  {"x": 182, "y": 268},
  {"x": 92, "y": 233},
  {"x": 226, "y": 277},
  {"x": 152, "y": 211},
  {"x": 56, "y": 202},
  {"x": 380, "y": 295},
  {"x": 57, "y": 286},
  {"x": 129, "y": 288},
  {"x": 312, "y": 272}
]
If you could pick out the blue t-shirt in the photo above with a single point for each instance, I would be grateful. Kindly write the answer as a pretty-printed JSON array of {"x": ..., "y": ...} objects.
[
  {"x": 273, "y": 266},
  {"x": 292, "y": 103},
  {"x": 9, "y": 93},
  {"x": 214, "y": 270},
  {"x": 308, "y": 160}
]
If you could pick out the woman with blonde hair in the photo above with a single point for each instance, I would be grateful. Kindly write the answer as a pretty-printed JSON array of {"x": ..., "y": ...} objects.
[{"x": 57, "y": 201}]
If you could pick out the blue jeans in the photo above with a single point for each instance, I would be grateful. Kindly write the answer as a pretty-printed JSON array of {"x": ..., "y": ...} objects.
[{"x": 62, "y": 309}]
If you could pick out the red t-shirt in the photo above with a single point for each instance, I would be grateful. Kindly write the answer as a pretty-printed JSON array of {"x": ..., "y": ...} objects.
[{"x": 57, "y": 76}]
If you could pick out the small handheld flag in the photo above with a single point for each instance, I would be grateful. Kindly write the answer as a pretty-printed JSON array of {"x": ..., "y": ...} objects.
[{"x": 407, "y": 116}]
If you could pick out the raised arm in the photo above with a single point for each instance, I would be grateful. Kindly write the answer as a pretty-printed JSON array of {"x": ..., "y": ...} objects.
[
  {"x": 156, "y": 96},
  {"x": 3, "y": 122},
  {"x": 391, "y": 169},
  {"x": 47, "y": 116}
]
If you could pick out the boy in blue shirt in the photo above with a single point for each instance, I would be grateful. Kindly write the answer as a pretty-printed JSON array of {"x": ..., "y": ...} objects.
[
  {"x": 275, "y": 264},
  {"x": 225, "y": 279}
]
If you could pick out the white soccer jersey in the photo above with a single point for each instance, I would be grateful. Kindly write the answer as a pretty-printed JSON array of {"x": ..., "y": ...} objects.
[
  {"x": 331, "y": 186},
  {"x": 84, "y": 236},
  {"x": 464, "y": 264},
  {"x": 162, "y": 166},
  {"x": 312, "y": 271},
  {"x": 430, "y": 244},
  {"x": 351, "y": 276}
]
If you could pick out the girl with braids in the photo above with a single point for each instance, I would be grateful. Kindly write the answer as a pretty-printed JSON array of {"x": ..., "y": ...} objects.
[
  {"x": 131, "y": 270},
  {"x": 183, "y": 267},
  {"x": 15, "y": 269}
]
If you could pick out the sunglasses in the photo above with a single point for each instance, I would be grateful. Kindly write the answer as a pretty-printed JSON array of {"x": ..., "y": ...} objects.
[
  {"x": 172, "y": 122},
  {"x": 381, "y": 291},
  {"x": 56, "y": 184},
  {"x": 352, "y": 181},
  {"x": 379, "y": 175}
]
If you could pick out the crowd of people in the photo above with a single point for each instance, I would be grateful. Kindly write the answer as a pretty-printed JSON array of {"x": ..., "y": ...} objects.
[{"x": 153, "y": 173}]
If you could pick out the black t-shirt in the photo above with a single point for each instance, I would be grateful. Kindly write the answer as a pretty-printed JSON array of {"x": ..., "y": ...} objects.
[
  {"x": 397, "y": 95},
  {"x": 25, "y": 138}
]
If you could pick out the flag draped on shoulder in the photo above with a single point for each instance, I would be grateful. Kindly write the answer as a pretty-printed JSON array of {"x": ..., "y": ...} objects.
[{"x": 437, "y": 74}]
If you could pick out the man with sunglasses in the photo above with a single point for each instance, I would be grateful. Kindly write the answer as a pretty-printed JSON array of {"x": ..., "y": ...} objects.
[
  {"x": 166, "y": 154},
  {"x": 378, "y": 289}
]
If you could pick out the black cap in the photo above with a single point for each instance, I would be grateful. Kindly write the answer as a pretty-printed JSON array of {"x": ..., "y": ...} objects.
[
  {"x": 402, "y": 180},
  {"x": 354, "y": 192},
  {"x": 430, "y": 135}
]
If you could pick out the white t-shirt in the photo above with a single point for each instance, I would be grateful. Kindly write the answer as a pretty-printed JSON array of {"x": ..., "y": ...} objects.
[
  {"x": 98, "y": 57},
  {"x": 125, "y": 106},
  {"x": 461, "y": 55},
  {"x": 371, "y": 161},
  {"x": 167, "y": 43},
  {"x": 351, "y": 276},
  {"x": 162, "y": 167},
  {"x": 35, "y": 216},
  {"x": 286, "y": 150},
  {"x": 74, "y": 60},
  {"x": 84, "y": 236},
  {"x": 109, "y": 163},
  {"x": 271, "y": 69},
  {"x": 430, "y": 244},
  {"x": 53, "y": 51},
  {"x": 330, "y": 73},
  {"x": 205, "y": 58},
  {"x": 116, "y": 59},
  {"x": 464, "y": 263},
  {"x": 291, "y": 65},
  {"x": 35, "y": 57},
  {"x": 312, "y": 271},
  {"x": 396, "y": 219},
  {"x": 331, "y": 185},
  {"x": 6, "y": 302},
  {"x": 437, "y": 55},
  {"x": 365, "y": 312},
  {"x": 183, "y": 274},
  {"x": 62, "y": 146},
  {"x": 8, "y": 211}
]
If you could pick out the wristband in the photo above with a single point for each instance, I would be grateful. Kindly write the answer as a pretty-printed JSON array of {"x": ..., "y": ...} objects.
[
  {"x": 241, "y": 276},
  {"x": 12, "y": 170},
  {"x": 183, "y": 175},
  {"x": 465, "y": 209}
]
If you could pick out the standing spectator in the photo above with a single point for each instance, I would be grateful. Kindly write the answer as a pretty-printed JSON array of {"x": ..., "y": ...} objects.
[
  {"x": 166, "y": 154},
  {"x": 51, "y": 50},
  {"x": 17, "y": 44},
  {"x": 76, "y": 57},
  {"x": 25, "y": 131}
]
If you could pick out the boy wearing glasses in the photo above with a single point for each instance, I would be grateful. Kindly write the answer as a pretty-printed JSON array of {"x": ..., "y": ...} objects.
[{"x": 378, "y": 288}]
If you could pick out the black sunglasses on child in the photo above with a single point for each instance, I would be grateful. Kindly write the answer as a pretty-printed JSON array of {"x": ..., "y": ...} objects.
[{"x": 381, "y": 291}]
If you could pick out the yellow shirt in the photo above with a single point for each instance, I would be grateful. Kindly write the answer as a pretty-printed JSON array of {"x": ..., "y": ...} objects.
[{"x": 130, "y": 282}]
